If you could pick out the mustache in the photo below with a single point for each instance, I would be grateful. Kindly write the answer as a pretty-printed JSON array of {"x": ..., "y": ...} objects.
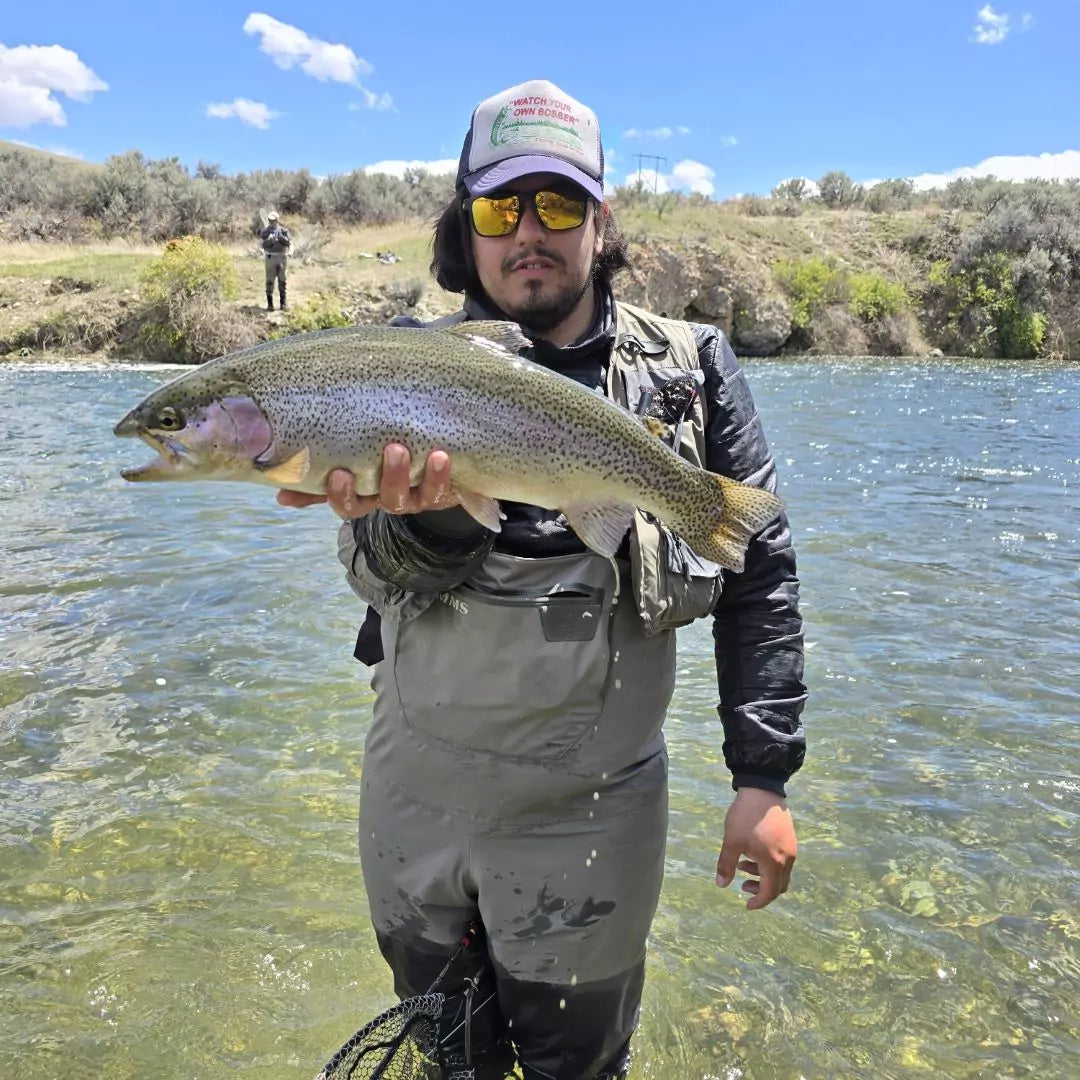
[{"x": 511, "y": 262}]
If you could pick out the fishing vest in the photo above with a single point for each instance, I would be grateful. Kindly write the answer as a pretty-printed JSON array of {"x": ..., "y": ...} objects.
[{"x": 672, "y": 585}]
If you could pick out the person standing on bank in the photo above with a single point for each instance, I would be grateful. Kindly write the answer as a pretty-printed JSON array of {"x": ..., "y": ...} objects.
[
  {"x": 277, "y": 246},
  {"x": 515, "y": 771}
]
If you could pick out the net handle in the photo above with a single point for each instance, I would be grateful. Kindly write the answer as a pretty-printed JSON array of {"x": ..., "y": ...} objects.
[{"x": 466, "y": 940}]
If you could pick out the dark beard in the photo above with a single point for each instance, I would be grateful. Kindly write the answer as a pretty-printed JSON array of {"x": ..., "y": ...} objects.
[{"x": 540, "y": 312}]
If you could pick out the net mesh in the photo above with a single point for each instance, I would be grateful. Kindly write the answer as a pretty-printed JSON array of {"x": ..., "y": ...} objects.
[
  {"x": 400, "y": 1044},
  {"x": 671, "y": 402}
]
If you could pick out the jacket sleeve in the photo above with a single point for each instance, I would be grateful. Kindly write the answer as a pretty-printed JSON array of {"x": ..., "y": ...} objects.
[
  {"x": 415, "y": 553},
  {"x": 757, "y": 628}
]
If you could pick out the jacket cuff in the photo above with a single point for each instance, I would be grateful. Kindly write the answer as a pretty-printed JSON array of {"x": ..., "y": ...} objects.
[{"x": 752, "y": 780}]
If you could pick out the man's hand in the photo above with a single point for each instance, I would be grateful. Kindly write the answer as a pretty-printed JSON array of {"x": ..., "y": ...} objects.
[
  {"x": 759, "y": 839},
  {"x": 434, "y": 492}
]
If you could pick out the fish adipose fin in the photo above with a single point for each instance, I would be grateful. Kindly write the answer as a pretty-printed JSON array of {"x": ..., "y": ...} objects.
[
  {"x": 291, "y": 471},
  {"x": 485, "y": 510},
  {"x": 600, "y": 525},
  {"x": 737, "y": 512},
  {"x": 497, "y": 337}
]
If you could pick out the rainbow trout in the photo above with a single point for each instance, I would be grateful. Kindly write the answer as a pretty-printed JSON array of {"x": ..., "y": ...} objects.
[{"x": 287, "y": 412}]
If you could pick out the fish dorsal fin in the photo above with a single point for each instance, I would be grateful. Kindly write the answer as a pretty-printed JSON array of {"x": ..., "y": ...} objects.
[
  {"x": 291, "y": 471},
  {"x": 501, "y": 338},
  {"x": 600, "y": 525}
]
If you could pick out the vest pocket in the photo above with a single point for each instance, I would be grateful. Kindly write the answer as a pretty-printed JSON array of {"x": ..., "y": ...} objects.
[
  {"x": 515, "y": 662},
  {"x": 672, "y": 585}
]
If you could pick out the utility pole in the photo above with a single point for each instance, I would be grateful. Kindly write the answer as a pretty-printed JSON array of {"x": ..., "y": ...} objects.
[{"x": 656, "y": 160}]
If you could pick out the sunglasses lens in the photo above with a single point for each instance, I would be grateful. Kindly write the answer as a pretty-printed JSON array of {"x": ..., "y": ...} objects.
[
  {"x": 558, "y": 212},
  {"x": 495, "y": 217}
]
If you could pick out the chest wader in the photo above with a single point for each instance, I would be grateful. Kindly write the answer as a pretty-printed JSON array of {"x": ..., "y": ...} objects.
[
  {"x": 276, "y": 270},
  {"x": 515, "y": 770}
]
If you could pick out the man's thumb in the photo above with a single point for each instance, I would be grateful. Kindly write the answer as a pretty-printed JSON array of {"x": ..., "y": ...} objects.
[{"x": 726, "y": 864}]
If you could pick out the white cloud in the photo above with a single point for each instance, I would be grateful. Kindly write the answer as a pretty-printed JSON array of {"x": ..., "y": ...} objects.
[
  {"x": 656, "y": 133},
  {"x": 289, "y": 46},
  {"x": 647, "y": 180},
  {"x": 253, "y": 113},
  {"x": 1063, "y": 166},
  {"x": 687, "y": 175},
  {"x": 441, "y": 167},
  {"x": 378, "y": 102},
  {"x": 993, "y": 27},
  {"x": 695, "y": 176},
  {"x": 29, "y": 77},
  {"x": 728, "y": 141}
]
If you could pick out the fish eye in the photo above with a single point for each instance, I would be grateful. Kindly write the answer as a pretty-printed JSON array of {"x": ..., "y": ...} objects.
[{"x": 169, "y": 419}]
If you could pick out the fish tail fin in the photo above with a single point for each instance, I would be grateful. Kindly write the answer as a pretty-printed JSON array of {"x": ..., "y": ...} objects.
[{"x": 721, "y": 516}]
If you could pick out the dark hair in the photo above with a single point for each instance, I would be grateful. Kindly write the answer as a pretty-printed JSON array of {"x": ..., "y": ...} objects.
[{"x": 451, "y": 249}]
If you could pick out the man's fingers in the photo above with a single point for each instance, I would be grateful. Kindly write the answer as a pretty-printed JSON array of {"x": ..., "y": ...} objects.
[
  {"x": 767, "y": 889},
  {"x": 435, "y": 487},
  {"x": 725, "y": 866},
  {"x": 341, "y": 494},
  {"x": 394, "y": 493},
  {"x": 298, "y": 498}
]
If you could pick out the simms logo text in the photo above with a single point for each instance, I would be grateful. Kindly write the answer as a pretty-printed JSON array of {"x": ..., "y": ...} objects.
[{"x": 455, "y": 602}]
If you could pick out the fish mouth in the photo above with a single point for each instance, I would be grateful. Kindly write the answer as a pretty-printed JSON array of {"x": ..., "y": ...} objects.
[
  {"x": 127, "y": 427},
  {"x": 171, "y": 463}
]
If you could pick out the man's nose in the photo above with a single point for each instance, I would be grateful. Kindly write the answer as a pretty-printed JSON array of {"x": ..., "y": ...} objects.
[{"x": 529, "y": 227}]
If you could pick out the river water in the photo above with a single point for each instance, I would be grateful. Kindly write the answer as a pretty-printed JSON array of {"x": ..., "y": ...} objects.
[{"x": 182, "y": 725}]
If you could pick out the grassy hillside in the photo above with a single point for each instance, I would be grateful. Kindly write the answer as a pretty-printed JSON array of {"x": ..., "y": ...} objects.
[
  {"x": 983, "y": 268},
  {"x": 63, "y": 160}
]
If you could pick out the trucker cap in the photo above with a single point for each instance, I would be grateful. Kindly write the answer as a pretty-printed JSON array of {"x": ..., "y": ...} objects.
[{"x": 533, "y": 127}]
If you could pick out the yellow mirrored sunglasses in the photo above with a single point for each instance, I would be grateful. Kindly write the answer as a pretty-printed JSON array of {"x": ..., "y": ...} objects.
[{"x": 499, "y": 215}]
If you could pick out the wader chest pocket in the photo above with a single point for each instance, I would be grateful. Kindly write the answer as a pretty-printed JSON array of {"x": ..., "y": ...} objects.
[
  {"x": 569, "y": 612},
  {"x": 515, "y": 662}
]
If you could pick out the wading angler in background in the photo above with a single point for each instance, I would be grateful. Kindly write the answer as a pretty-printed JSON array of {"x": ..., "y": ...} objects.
[
  {"x": 515, "y": 771},
  {"x": 277, "y": 245}
]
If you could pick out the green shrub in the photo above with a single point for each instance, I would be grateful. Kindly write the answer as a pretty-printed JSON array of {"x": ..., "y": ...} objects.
[
  {"x": 811, "y": 283},
  {"x": 190, "y": 266},
  {"x": 839, "y": 191},
  {"x": 872, "y": 297},
  {"x": 1022, "y": 335},
  {"x": 318, "y": 312},
  {"x": 187, "y": 315},
  {"x": 985, "y": 311}
]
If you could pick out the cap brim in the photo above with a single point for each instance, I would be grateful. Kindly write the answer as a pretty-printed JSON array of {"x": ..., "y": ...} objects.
[{"x": 498, "y": 176}]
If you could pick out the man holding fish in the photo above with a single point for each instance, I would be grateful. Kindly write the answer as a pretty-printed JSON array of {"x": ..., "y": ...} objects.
[{"x": 527, "y": 543}]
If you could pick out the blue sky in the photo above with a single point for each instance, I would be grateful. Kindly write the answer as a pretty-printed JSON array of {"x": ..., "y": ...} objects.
[{"x": 735, "y": 96}]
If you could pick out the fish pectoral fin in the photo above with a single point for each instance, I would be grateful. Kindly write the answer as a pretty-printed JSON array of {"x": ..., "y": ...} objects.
[
  {"x": 292, "y": 471},
  {"x": 484, "y": 509},
  {"x": 600, "y": 525},
  {"x": 497, "y": 337}
]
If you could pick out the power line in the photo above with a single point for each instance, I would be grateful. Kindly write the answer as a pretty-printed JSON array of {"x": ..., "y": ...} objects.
[{"x": 656, "y": 168}]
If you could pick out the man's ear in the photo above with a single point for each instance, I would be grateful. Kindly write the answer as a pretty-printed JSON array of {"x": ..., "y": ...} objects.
[{"x": 603, "y": 212}]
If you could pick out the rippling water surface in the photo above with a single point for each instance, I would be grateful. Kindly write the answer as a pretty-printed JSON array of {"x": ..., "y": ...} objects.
[{"x": 181, "y": 732}]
